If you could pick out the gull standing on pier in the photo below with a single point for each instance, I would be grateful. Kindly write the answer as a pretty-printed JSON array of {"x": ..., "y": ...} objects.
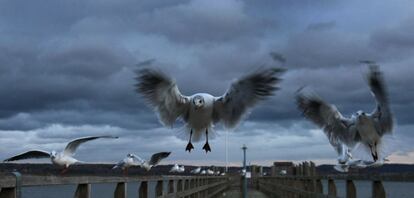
[
  {"x": 134, "y": 160},
  {"x": 364, "y": 129},
  {"x": 64, "y": 158},
  {"x": 201, "y": 110}
]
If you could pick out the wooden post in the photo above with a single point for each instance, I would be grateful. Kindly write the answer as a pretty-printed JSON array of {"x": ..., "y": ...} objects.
[
  {"x": 8, "y": 193},
  {"x": 159, "y": 190},
  {"x": 180, "y": 185},
  {"x": 378, "y": 189},
  {"x": 120, "y": 190},
  {"x": 350, "y": 189},
  {"x": 143, "y": 190},
  {"x": 331, "y": 188},
  {"x": 319, "y": 186},
  {"x": 171, "y": 186},
  {"x": 83, "y": 191}
]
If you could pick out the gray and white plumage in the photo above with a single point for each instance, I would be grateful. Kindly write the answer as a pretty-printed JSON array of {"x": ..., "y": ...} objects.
[
  {"x": 362, "y": 128},
  {"x": 134, "y": 160},
  {"x": 201, "y": 110},
  {"x": 196, "y": 171},
  {"x": 64, "y": 158}
]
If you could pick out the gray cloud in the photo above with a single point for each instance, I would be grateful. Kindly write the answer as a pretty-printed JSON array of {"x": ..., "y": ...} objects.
[{"x": 67, "y": 70}]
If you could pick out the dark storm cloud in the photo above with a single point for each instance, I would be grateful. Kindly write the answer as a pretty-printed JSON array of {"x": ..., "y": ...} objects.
[{"x": 67, "y": 69}]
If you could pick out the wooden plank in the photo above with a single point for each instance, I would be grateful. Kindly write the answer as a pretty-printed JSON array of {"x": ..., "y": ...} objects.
[
  {"x": 83, "y": 191},
  {"x": 378, "y": 189},
  {"x": 120, "y": 190},
  {"x": 331, "y": 188},
  {"x": 8, "y": 193},
  {"x": 350, "y": 189},
  {"x": 143, "y": 189}
]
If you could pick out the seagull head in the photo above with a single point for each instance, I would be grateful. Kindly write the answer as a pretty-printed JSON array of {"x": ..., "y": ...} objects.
[
  {"x": 53, "y": 154},
  {"x": 129, "y": 155},
  {"x": 360, "y": 115},
  {"x": 198, "y": 101}
]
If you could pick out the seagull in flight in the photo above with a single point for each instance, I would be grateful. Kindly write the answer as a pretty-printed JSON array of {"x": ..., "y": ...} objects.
[
  {"x": 64, "y": 158},
  {"x": 202, "y": 110},
  {"x": 366, "y": 129},
  {"x": 134, "y": 160}
]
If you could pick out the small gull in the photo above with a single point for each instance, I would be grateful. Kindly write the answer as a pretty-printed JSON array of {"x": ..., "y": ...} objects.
[{"x": 64, "y": 158}]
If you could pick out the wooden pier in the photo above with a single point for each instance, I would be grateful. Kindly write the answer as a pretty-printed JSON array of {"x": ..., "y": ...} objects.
[{"x": 177, "y": 186}]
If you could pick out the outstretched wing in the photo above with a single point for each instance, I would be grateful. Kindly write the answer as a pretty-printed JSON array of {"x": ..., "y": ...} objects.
[
  {"x": 157, "y": 157},
  {"x": 337, "y": 128},
  {"x": 74, "y": 144},
  {"x": 136, "y": 157},
  {"x": 382, "y": 113},
  {"x": 29, "y": 155},
  {"x": 163, "y": 94},
  {"x": 244, "y": 94}
]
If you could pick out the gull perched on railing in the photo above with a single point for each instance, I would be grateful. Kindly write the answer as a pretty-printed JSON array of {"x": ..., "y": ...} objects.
[
  {"x": 64, "y": 158},
  {"x": 201, "y": 110},
  {"x": 177, "y": 169},
  {"x": 196, "y": 171},
  {"x": 363, "y": 129},
  {"x": 134, "y": 160}
]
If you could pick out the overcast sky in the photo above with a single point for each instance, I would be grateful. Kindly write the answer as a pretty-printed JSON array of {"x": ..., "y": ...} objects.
[{"x": 66, "y": 70}]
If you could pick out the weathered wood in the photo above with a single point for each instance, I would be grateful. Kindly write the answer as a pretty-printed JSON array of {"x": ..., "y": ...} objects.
[
  {"x": 331, "y": 188},
  {"x": 143, "y": 189},
  {"x": 8, "y": 193},
  {"x": 319, "y": 186},
  {"x": 83, "y": 191},
  {"x": 378, "y": 189},
  {"x": 120, "y": 190},
  {"x": 171, "y": 188},
  {"x": 350, "y": 189},
  {"x": 159, "y": 190}
]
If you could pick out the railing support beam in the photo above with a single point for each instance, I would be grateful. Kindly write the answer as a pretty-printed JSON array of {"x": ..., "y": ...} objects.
[
  {"x": 120, "y": 190},
  {"x": 83, "y": 191},
  {"x": 378, "y": 189}
]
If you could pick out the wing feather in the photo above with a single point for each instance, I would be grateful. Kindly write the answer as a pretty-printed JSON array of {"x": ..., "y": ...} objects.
[
  {"x": 74, "y": 144},
  {"x": 29, "y": 155},
  {"x": 382, "y": 112},
  {"x": 337, "y": 128},
  {"x": 244, "y": 94},
  {"x": 162, "y": 94},
  {"x": 157, "y": 157}
]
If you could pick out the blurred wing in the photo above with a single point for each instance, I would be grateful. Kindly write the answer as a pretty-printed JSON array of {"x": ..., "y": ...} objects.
[
  {"x": 29, "y": 155},
  {"x": 382, "y": 112},
  {"x": 163, "y": 94},
  {"x": 244, "y": 94},
  {"x": 326, "y": 116},
  {"x": 120, "y": 164},
  {"x": 74, "y": 144},
  {"x": 140, "y": 160},
  {"x": 157, "y": 157}
]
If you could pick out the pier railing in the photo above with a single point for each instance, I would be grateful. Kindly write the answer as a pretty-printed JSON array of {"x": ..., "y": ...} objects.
[
  {"x": 311, "y": 186},
  {"x": 175, "y": 186}
]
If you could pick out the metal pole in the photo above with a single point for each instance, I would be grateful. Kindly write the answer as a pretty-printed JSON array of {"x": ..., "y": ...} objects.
[
  {"x": 245, "y": 172},
  {"x": 227, "y": 152},
  {"x": 18, "y": 183}
]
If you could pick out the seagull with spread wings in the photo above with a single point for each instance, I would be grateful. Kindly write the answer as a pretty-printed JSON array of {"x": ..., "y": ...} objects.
[
  {"x": 134, "y": 160},
  {"x": 64, "y": 158},
  {"x": 362, "y": 128},
  {"x": 201, "y": 110}
]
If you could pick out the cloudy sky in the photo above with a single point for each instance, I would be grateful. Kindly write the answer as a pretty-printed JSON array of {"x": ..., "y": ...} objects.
[{"x": 66, "y": 70}]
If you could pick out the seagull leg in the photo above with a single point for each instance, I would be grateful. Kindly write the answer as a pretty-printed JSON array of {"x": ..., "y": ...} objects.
[
  {"x": 125, "y": 172},
  {"x": 189, "y": 145},
  {"x": 206, "y": 146},
  {"x": 64, "y": 170},
  {"x": 373, "y": 153}
]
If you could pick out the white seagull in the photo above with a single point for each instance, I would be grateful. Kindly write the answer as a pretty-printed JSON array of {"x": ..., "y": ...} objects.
[
  {"x": 366, "y": 129},
  {"x": 64, "y": 158},
  {"x": 134, "y": 160},
  {"x": 175, "y": 169},
  {"x": 181, "y": 169},
  {"x": 201, "y": 110},
  {"x": 196, "y": 171}
]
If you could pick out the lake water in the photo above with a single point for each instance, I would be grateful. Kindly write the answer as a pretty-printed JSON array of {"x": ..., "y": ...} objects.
[{"x": 393, "y": 190}]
